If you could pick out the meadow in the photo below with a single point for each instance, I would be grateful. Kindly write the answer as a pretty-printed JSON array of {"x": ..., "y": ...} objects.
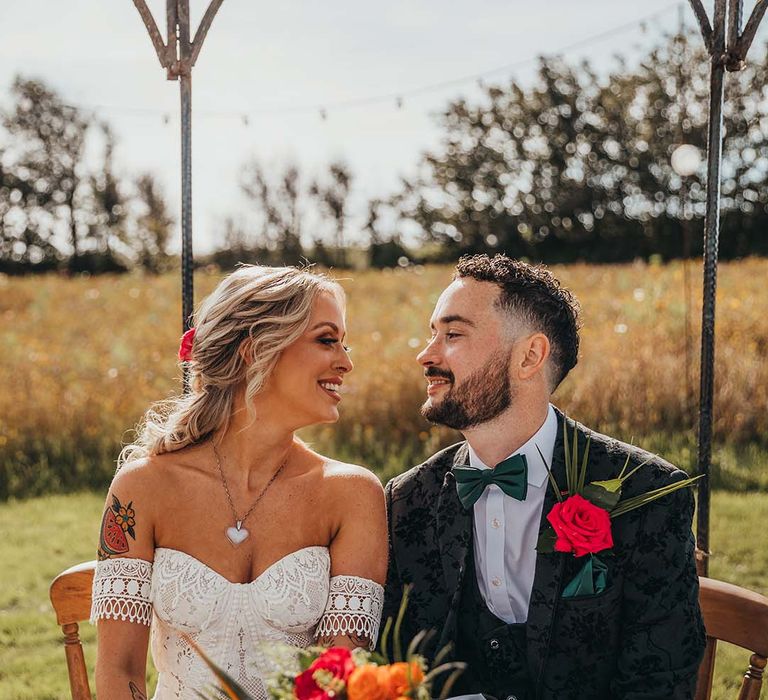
[{"x": 84, "y": 357}]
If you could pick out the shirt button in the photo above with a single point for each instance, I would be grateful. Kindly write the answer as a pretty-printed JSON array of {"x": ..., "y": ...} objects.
[
  {"x": 496, "y": 581},
  {"x": 494, "y": 644},
  {"x": 495, "y": 524}
]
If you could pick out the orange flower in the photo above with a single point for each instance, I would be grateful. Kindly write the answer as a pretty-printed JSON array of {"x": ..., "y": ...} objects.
[
  {"x": 403, "y": 677},
  {"x": 368, "y": 682}
]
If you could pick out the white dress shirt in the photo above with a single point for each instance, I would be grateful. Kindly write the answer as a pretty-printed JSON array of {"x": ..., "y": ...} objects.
[{"x": 506, "y": 530}]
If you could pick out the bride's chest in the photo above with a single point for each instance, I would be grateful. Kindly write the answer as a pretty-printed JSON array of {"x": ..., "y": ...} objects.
[{"x": 290, "y": 595}]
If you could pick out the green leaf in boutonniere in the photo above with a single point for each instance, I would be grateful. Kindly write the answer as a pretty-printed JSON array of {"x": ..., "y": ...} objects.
[
  {"x": 607, "y": 494},
  {"x": 552, "y": 480},
  {"x": 575, "y": 473},
  {"x": 603, "y": 494},
  {"x": 546, "y": 543},
  {"x": 645, "y": 498}
]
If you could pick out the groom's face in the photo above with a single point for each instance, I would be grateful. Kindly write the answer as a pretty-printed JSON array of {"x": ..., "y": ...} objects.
[{"x": 466, "y": 361}]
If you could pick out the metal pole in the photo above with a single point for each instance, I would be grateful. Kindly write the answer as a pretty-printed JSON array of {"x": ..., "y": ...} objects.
[
  {"x": 711, "y": 239},
  {"x": 185, "y": 93},
  {"x": 178, "y": 55},
  {"x": 187, "y": 259},
  {"x": 730, "y": 56}
]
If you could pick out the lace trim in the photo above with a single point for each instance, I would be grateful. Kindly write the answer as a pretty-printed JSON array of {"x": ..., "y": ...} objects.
[
  {"x": 121, "y": 591},
  {"x": 354, "y": 608}
]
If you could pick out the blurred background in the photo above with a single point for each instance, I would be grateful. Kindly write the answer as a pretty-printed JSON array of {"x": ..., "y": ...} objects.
[{"x": 380, "y": 142}]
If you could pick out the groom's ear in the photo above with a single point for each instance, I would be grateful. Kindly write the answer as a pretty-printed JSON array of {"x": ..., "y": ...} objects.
[{"x": 532, "y": 356}]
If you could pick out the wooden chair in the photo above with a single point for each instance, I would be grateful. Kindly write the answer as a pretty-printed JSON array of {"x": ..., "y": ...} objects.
[
  {"x": 731, "y": 614},
  {"x": 71, "y": 597},
  {"x": 739, "y": 616}
]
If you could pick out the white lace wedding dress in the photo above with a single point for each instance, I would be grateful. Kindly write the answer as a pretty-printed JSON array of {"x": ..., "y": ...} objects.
[{"x": 292, "y": 602}]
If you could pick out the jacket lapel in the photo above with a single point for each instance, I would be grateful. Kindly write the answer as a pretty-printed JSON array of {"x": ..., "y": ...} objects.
[
  {"x": 454, "y": 532},
  {"x": 547, "y": 580}
]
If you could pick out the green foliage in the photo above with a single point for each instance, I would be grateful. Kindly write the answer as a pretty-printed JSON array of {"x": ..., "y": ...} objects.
[
  {"x": 576, "y": 166},
  {"x": 57, "y": 212},
  {"x": 40, "y": 178}
]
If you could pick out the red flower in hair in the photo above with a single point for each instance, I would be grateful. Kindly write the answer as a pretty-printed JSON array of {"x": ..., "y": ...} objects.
[{"x": 185, "y": 349}]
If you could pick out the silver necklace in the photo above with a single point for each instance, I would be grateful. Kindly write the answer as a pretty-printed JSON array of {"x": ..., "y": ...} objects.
[{"x": 238, "y": 534}]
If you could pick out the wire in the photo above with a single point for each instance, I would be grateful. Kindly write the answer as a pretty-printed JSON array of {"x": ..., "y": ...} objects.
[{"x": 398, "y": 97}]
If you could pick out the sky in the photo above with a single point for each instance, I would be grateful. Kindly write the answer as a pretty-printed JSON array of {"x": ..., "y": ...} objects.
[{"x": 267, "y": 70}]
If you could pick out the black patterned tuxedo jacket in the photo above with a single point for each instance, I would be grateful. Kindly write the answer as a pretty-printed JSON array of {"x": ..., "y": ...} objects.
[{"x": 643, "y": 637}]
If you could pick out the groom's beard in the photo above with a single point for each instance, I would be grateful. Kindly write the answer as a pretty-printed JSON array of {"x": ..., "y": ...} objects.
[{"x": 481, "y": 397}]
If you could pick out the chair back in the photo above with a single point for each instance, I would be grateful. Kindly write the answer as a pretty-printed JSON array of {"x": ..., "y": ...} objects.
[
  {"x": 738, "y": 616},
  {"x": 71, "y": 598}
]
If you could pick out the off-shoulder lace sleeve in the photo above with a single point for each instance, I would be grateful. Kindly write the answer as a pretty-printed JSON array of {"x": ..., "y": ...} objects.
[
  {"x": 121, "y": 591},
  {"x": 353, "y": 609}
]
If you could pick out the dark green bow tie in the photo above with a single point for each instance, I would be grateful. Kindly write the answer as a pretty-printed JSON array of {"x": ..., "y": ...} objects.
[{"x": 511, "y": 476}]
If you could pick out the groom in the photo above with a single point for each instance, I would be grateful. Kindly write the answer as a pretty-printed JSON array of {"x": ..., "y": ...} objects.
[{"x": 504, "y": 335}]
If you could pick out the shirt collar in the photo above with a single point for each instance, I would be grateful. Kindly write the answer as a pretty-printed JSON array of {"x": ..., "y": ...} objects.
[{"x": 543, "y": 438}]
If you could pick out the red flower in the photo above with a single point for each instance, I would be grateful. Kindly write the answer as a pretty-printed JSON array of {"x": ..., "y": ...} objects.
[
  {"x": 581, "y": 526},
  {"x": 334, "y": 666},
  {"x": 185, "y": 349}
]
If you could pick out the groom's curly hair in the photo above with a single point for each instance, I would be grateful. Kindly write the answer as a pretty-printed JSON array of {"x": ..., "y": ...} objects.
[{"x": 533, "y": 294}]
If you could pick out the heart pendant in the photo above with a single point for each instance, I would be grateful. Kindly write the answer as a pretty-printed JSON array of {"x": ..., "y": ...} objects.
[{"x": 237, "y": 535}]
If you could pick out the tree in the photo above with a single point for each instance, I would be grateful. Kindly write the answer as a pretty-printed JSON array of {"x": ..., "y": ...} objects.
[
  {"x": 106, "y": 212},
  {"x": 577, "y": 166},
  {"x": 238, "y": 248},
  {"x": 154, "y": 226},
  {"x": 332, "y": 196},
  {"x": 43, "y": 175},
  {"x": 279, "y": 204},
  {"x": 383, "y": 251}
]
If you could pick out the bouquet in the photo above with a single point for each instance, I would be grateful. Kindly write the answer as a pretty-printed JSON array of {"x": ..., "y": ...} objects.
[
  {"x": 580, "y": 521},
  {"x": 337, "y": 673}
]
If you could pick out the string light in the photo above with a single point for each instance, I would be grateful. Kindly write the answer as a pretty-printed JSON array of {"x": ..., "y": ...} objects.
[{"x": 480, "y": 79}]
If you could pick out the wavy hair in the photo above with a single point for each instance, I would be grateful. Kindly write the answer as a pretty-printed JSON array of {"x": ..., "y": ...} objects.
[{"x": 270, "y": 308}]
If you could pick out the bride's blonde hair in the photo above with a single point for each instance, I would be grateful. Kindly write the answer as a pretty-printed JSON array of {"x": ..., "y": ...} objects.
[{"x": 268, "y": 306}]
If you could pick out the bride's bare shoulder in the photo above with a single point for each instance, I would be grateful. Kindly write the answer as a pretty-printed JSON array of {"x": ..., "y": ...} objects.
[
  {"x": 157, "y": 474},
  {"x": 344, "y": 480}
]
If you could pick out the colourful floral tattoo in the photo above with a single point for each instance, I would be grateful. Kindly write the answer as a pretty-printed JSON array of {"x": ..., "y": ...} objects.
[{"x": 118, "y": 521}]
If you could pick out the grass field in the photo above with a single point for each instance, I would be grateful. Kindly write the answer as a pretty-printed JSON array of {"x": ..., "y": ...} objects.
[
  {"x": 45, "y": 535},
  {"x": 84, "y": 357}
]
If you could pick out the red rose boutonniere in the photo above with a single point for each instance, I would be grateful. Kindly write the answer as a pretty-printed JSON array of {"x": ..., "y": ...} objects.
[
  {"x": 580, "y": 522},
  {"x": 581, "y": 527}
]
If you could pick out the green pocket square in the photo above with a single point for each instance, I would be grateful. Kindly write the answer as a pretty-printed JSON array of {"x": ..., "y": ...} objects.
[{"x": 591, "y": 579}]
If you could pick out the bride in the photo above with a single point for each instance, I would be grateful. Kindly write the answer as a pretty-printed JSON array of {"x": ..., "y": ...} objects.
[{"x": 223, "y": 526}]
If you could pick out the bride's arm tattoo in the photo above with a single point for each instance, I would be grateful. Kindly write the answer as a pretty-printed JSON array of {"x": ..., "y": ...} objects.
[
  {"x": 119, "y": 520},
  {"x": 136, "y": 694}
]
